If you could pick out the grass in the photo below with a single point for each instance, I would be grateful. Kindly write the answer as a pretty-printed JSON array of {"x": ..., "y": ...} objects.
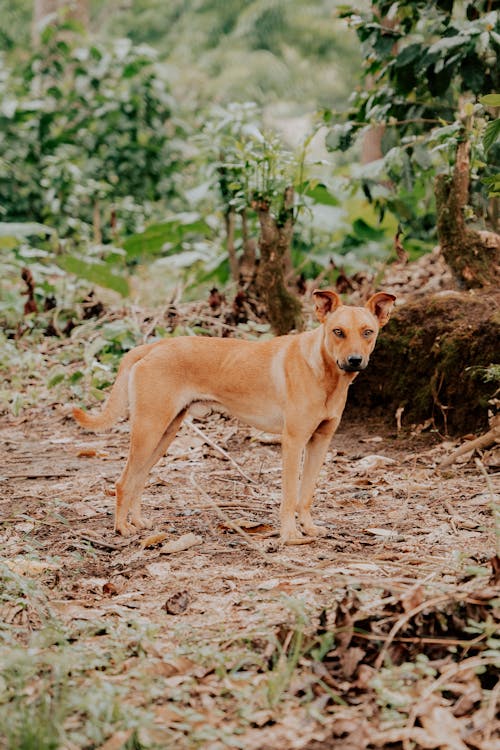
[{"x": 76, "y": 683}]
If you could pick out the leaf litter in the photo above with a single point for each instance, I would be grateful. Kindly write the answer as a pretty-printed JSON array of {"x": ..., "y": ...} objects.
[{"x": 382, "y": 633}]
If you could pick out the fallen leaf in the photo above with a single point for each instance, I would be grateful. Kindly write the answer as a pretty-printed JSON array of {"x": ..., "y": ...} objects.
[
  {"x": 117, "y": 740},
  {"x": 412, "y": 598},
  {"x": 177, "y": 604},
  {"x": 87, "y": 453},
  {"x": 166, "y": 715},
  {"x": 350, "y": 659},
  {"x": 25, "y": 567},
  {"x": 182, "y": 543},
  {"x": 369, "y": 463},
  {"x": 153, "y": 540},
  {"x": 251, "y": 527},
  {"x": 159, "y": 569},
  {"x": 380, "y": 532},
  {"x": 444, "y": 728},
  {"x": 484, "y": 498}
]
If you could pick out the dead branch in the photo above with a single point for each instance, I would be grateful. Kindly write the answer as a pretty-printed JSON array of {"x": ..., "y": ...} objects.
[
  {"x": 484, "y": 441},
  {"x": 217, "y": 447}
]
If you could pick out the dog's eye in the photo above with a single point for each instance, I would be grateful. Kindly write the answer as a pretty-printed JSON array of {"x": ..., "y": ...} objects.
[
  {"x": 339, "y": 333},
  {"x": 367, "y": 333}
]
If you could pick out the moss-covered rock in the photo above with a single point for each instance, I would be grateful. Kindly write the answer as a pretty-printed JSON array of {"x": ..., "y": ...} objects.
[{"x": 432, "y": 358}]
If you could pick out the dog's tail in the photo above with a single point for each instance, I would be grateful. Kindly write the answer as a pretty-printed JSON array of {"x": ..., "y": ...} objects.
[{"x": 116, "y": 405}]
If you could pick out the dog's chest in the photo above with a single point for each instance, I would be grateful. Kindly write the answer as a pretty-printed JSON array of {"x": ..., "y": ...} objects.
[
  {"x": 267, "y": 420},
  {"x": 335, "y": 403}
]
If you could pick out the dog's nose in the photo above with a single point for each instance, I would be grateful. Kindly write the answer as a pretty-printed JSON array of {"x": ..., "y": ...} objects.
[{"x": 354, "y": 360}]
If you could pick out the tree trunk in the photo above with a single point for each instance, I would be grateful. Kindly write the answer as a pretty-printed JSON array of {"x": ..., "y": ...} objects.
[
  {"x": 283, "y": 309},
  {"x": 229, "y": 219},
  {"x": 371, "y": 146},
  {"x": 474, "y": 257}
]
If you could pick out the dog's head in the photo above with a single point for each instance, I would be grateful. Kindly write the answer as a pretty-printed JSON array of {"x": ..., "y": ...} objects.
[{"x": 350, "y": 333}]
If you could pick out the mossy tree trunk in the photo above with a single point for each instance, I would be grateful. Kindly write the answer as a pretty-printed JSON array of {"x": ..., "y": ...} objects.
[
  {"x": 474, "y": 257},
  {"x": 283, "y": 309}
]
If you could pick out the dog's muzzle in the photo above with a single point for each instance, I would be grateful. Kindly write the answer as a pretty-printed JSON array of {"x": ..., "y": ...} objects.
[{"x": 352, "y": 363}]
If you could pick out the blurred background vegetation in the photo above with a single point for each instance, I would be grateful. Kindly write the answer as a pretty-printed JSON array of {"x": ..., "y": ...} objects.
[{"x": 145, "y": 146}]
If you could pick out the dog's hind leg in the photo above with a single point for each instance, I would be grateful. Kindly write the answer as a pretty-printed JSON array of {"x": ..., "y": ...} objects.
[
  {"x": 147, "y": 446},
  {"x": 154, "y": 421},
  {"x": 314, "y": 457},
  {"x": 159, "y": 452}
]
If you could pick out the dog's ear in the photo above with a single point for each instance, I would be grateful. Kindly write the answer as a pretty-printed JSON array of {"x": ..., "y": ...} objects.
[
  {"x": 326, "y": 301},
  {"x": 381, "y": 305}
]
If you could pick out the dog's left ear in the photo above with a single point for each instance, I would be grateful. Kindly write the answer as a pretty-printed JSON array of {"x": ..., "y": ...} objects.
[
  {"x": 381, "y": 305},
  {"x": 326, "y": 301}
]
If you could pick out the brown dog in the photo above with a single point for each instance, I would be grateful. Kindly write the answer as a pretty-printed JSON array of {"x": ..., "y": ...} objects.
[{"x": 294, "y": 385}]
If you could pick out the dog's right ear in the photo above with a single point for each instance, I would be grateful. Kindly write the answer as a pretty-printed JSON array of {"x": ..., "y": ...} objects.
[{"x": 326, "y": 301}]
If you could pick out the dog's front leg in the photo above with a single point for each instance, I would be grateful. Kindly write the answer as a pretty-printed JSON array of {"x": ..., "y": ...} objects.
[
  {"x": 315, "y": 454},
  {"x": 292, "y": 449}
]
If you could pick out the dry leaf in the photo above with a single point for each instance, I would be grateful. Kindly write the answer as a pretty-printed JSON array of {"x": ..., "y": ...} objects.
[
  {"x": 159, "y": 569},
  {"x": 177, "y": 604},
  {"x": 369, "y": 463},
  {"x": 118, "y": 740},
  {"x": 153, "y": 540},
  {"x": 412, "y": 598},
  {"x": 251, "y": 527},
  {"x": 86, "y": 453},
  {"x": 182, "y": 543},
  {"x": 444, "y": 728},
  {"x": 24, "y": 567},
  {"x": 380, "y": 532},
  {"x": 350, "y": 659}
]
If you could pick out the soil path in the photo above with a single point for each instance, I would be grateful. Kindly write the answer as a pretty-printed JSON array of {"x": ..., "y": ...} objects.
[{"x": 390, "y": 524}]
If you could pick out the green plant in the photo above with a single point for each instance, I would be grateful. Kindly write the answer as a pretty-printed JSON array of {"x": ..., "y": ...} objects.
[
  {"x": 422, "y": 61},
  {"x": 87, "y": 147}
]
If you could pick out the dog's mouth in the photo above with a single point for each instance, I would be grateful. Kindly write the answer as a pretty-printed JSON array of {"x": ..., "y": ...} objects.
[{"x": 352, "y": 367}]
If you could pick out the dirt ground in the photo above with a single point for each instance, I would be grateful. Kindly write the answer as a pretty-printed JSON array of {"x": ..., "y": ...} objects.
[{"x": 392, "y": 523}]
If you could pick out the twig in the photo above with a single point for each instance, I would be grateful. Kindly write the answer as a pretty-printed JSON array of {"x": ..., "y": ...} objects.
[
  {"x": 484, "y": 441},
  {"x": 231, "y": 524},
  {"x": 101, "y": 543},
  {"x": 449, "y": 509},
  {"x": 217, "y": 447},
  {"x": 407, "y": 617},
  {"x": 422, "y": 639}
]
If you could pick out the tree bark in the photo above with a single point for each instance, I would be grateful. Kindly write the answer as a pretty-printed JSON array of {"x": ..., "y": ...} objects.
[
  {"x": 284, "y": 310},
  {"x": 474, "y": 257}
]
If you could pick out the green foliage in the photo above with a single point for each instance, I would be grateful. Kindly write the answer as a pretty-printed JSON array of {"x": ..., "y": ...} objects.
[
  {"x": 422, "y": 60},
  {"x": 248, "y": 164},
  {"x": 287, "y": 50},
  {"x": 87, "y": 146}
]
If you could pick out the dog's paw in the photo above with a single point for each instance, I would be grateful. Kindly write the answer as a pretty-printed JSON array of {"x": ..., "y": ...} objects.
[
  {"x": 312, "y": 530},
  {"x": 141, "y": 523},
  {"x": 125, "y": 529},
  {"x": 292, "y": 535}
]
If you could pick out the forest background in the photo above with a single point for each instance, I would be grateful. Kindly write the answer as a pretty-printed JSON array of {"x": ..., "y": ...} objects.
[{"x": 197, "y": 168}]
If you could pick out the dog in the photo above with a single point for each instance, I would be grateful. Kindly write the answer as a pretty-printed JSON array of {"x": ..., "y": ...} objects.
[{"x": 295, "y": 385}]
